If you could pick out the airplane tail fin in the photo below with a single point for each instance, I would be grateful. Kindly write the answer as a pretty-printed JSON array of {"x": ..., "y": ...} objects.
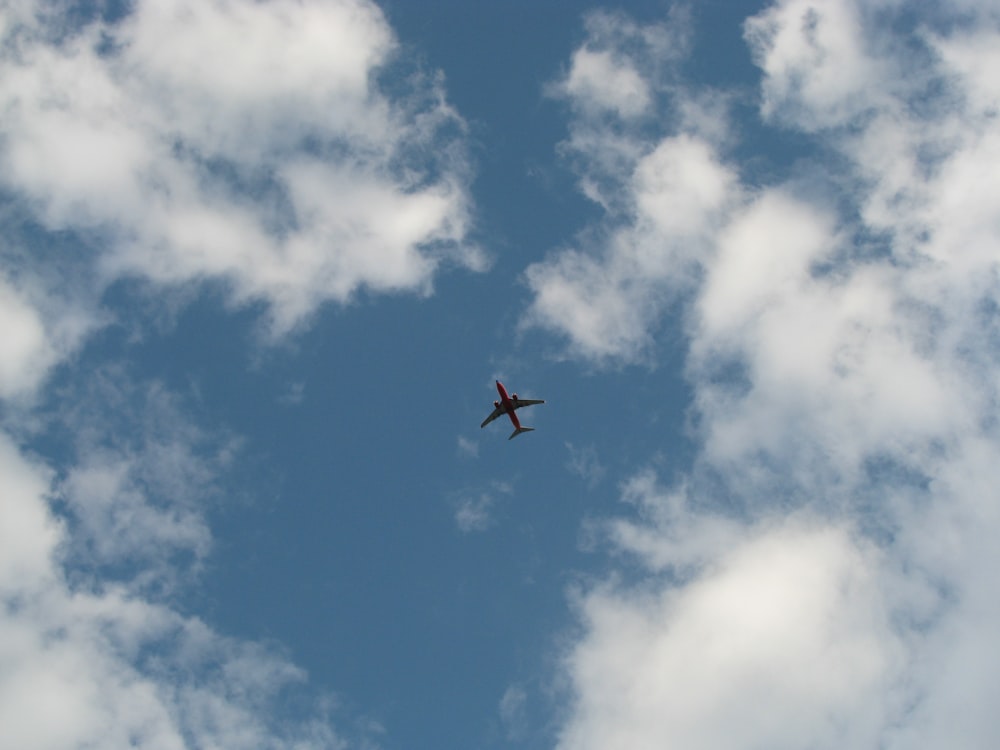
[{"x": 519, "y": 430}]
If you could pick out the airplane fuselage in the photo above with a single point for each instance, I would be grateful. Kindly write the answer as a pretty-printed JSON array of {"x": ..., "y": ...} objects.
[{"x": 508, "y": 405}]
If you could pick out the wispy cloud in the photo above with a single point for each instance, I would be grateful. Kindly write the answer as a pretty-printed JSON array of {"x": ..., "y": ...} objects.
[
  {"x": 467, "y": 448},
  {"x": 293, "y": 395},
  {"x": 140, "y": 481},
  {"x": 585, "y": 463},
  {"x": 475, "y": 509},
  {"x": 513, "y": 712}
]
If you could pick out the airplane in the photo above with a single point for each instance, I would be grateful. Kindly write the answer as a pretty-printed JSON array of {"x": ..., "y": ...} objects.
[{"x": 507, "y": 405}]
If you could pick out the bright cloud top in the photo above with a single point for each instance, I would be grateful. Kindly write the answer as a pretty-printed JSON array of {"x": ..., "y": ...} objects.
[
  {"x": 820, "y": 577},
  {"x": 783, "y": 644},
  {"x": 244, "y": 142}
]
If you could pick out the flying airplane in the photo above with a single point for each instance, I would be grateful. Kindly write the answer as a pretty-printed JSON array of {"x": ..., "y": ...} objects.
[{"x": 507, "y": 405}]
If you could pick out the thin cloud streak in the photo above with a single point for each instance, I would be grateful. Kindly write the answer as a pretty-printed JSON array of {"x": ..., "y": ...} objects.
[{"x": 475, "y": 509}]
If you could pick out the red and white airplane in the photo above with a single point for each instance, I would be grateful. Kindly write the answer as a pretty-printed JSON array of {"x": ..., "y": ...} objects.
[{"x": 507, "y": 405}]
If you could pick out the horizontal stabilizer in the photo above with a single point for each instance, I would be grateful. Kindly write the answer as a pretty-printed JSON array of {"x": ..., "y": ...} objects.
[{"x": 519, "y": 430}]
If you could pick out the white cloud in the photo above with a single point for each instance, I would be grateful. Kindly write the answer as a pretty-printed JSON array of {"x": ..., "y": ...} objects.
[
  {"x": 598, "y": 81},
  {"x": 819, "y": 72},
  {"x": 664, "y": 196},
  {"x": 87, "y": 627},
  {"x": 621, "y": 65},
  {"x": 821, "y": 576},
  {"x": 118, "y": 518},
  {"x": 118, "y": 670},
  {"x": 40, "y": 331},
  {"x": 138, "y": 479},
  {"x": 29, "y": 533},
  {"x": 273, "y": 172},
  {"x": 835, "y": 354},
  {"x": 621, "y": 80},
  {"x": 25, "y": 350},
  {"x": 680, "y": 187},
  {"x": 607, "y": 299},
  {"x": 245, "y": 143},
  {"x": 784, "y": 643},
  {"x": 475, "y": 509},
  {"x": 670, "y": 534}
]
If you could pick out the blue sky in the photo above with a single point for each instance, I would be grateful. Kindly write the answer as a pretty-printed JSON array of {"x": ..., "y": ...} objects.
[{"x": 261, "y": 263}]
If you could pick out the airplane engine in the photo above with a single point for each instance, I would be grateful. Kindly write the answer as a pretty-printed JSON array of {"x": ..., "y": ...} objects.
[
  {"x": 513, "y": 396},
  {"x": 496, "y": 404}
]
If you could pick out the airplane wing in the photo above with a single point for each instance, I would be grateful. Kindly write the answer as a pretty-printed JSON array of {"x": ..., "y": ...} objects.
[
  {"x": 518, "y": 403},
  {"x": 496, "y": 413}
]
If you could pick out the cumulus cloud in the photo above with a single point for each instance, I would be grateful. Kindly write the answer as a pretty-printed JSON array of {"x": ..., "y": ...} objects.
[
  {"x": 819, "y": 70},
  {"x": 598, "y": 81},
  {"x": 819, "y": 577},
  {"x": 606, "y": 300},
  {"x": 272, "y": 172},
  {"x": 664, "y": 196},
  {"x": 784, "y": 642},
  {"x": 622, "y": 65}
]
